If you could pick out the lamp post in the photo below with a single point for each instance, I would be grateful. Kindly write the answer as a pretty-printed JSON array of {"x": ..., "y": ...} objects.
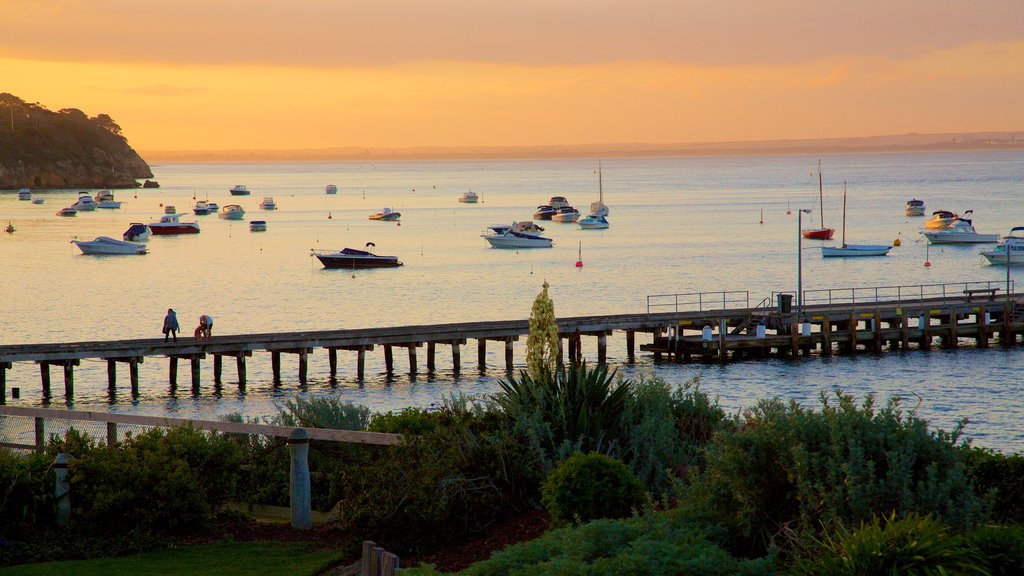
[{"x": 800, "y": 260}]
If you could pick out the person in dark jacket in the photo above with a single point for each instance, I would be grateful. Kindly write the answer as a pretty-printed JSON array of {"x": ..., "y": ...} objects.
[{"x": 171, "y": 325}]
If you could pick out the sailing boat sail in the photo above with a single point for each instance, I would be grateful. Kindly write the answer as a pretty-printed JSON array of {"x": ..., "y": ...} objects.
[
  {"x": 848, "y": 250},
  {"x": 598, "y": 208},
  {"x": 819, "y": 233}
]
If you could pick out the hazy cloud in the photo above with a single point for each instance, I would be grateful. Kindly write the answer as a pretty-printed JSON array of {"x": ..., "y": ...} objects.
[
  {"x": 154, "y": 90},
  {"x": 338, "y": 33}
]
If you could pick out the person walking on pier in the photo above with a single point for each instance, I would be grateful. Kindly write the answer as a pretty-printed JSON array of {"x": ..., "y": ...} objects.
[{"x": 171, "y": 324}]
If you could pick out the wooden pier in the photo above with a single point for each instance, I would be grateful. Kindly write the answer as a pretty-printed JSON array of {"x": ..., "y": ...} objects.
[{"x": 710, "y": 327}]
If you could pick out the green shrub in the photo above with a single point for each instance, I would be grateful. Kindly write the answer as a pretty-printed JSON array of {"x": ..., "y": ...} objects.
[
  {"x": 1001, "y": 548},
  {"x": 1004, "y": 476},
  {"x": 26, "y": 493},
  {"x": 915, "y": 545},
  {"x": 408, "y": 421},
  {"x": 324, "y": 412},
  {"x": 665, "y": 430},
  {"x": 562, "y": 412},
  {"x": 590, "y": 486},
  {"x": 158, "y": 481},
  {"x": 446, "y": 484},
  {"x": 655, "y": 545},
  {"x": 785, "y": 470}
]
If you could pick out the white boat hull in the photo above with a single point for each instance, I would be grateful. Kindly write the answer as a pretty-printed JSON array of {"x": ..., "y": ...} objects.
[
  {"x": 109, "y": 204},
  {"x": 855, "y": 250},
  {"x": 109, "y": 246},
  {"x": 952, "y": 237},
  {"x": 509, "y": 242}
]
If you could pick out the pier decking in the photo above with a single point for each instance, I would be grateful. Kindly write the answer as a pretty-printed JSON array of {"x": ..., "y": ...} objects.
[{"x": 719, "y": 326}]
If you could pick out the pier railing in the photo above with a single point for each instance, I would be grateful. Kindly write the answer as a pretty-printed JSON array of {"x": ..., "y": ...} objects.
[
  {"x": 698, "y": 301},
  {"x": 945, "y": 293},
  {"x": 30, "y": 428}
]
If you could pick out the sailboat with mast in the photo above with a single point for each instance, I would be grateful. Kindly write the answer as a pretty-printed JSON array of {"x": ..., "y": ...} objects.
[
  {"x": 819, "y": 233},
  {"x": 598, "y": 208},
  {"x": 848, "y": 250}
]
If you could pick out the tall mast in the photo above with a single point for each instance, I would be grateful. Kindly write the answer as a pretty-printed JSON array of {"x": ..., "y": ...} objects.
[
  {"x": 844, "y": 213},
  {"x": 600, "y": 186},
  {"x": 821, "y": 200}
]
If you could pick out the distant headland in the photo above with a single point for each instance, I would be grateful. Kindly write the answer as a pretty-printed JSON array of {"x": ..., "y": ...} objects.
[
  {"x": 1012, "y": 140},
  {"x": 63, "y": 149}
]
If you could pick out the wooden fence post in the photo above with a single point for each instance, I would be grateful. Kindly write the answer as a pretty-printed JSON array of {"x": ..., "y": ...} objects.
[
  {"x": 61, "y": 490},
  {"x": 301, "y": 503}
]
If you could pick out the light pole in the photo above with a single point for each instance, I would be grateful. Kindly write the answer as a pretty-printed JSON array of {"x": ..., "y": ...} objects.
[{"x": 800, "y": 260}]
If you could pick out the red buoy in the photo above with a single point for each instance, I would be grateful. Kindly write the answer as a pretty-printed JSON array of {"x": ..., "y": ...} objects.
[{"x": 328, "y": 215}]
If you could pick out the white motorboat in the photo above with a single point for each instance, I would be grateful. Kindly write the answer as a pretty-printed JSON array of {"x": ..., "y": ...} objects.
[
  {"x": 960, "y": 232},
  {"x": 239, "y": 190},
  {"x": 105, "y": 200},
  {"x": 331, "y": 189},
  {"x": 914, "y": 208},
  {"x": 137, "y": 232},
  {"x": 37, "y": 200},
  {"x": 469, "y": 197},
  {"x": 853, "y": 250},
  {"x": 268, "y": 203},
  {"x": 85, "y": 203},
  {"x": 350, "y": 258},
  {"x": 1009, "y": 251},
  {"x": 106, "y": 245},
  {"x": 594, "y": 222},
  {"x": 510, "y": 239},
  {"x": 24, "y": 194},
  {"x": 943, "y": 219},
  {"x": 231, "y": 212},
  {"x": 566, "y": 215},
  {"x": 257, "y": 225},
  {"x": 66, "y": 212},
  {"x": 171, "y": 224}
]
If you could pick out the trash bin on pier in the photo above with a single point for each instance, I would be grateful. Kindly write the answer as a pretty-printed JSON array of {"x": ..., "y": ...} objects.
[{"x": 785, "y": 303}]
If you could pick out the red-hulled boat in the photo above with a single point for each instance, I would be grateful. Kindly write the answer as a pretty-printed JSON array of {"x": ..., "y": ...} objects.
[
  {"x": 819, "y": 233},
  {"x": 172, "y": 224}
]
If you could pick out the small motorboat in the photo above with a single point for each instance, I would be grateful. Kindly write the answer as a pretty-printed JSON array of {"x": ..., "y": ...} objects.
[
  {"x": 24, "y": 194},
  {"x": 566, "y": 215},
  {"x": 106, "y": 245},
  {"x": 85, "y": 203},
  {"x": 387, "y": 215},
  {"x": 169, "y": 209},
  {"x": 853, "y": 250},
  {"x": 213, "y": 206},
  {"x": 544, "y": 212},
  {"x": 37, "y": 200},
  {"x": 510, "y": 239},
  {"x": 239, "y": 190},
  {"x": 352, "y": 258},
  {"x": 105, "y": 200},
  {"x": 943, "y": 219},
  {"x": 66, "y": 212},
  {"x": 268, "y": 203},
  {"x": 137, "y": 232},
  {"x": 818, "y": 233},
  {"x": 172, "y": 224},
  {"x": 914, "y": 208},
  {"x": 257, "y": 225},
  {"x": 594, "y": 222},
  {"x": 1009, "y": 251},
  {"x": 959, "y": 232},
  {"x": 231, "y": 212},
  {"x": 202, "y": 208},
  {"x": 331, "y": 189},
  {"x": 469, "y": 197}
]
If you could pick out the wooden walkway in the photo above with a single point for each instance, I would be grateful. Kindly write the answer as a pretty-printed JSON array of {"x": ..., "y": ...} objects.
[{"x": 915, "y": 316}]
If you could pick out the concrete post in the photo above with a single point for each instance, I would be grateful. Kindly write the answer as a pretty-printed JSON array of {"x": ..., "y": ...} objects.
[
  {"x": 61, "y": 490},
  {"x": 301, "y": 502}
]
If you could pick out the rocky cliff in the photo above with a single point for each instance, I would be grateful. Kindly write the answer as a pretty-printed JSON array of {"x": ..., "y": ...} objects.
[{"x": 64, "y": 149}]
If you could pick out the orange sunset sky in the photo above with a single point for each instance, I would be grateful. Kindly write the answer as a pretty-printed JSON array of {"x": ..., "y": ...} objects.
[{"x": 291, "y": 74}]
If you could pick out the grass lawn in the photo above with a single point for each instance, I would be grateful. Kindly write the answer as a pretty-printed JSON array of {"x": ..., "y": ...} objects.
[{"x": 250, "y": 558}]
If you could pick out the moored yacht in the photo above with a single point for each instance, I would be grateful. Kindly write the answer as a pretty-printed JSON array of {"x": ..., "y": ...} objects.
[
  {"x": 172, "y": 224},
  {"x": 85, "y": 203},
  {"x": 469, "y": 197},
  {"x": 566, "y": 215},
  {"x": 239, "y": 190},
  {"x": 105, "y": 199},
  {"x": 352, "y": 258},
  {"x": 24, "y": 194},
  {"x": 914, "y": 208},
  {"x": 231, "y": 212},
  {"x": 510, "y": 239},
  {"x": 943, "y": 219},
  {"x": 1009, "y": 251},
  {"x": 268, "y": 203},
  {"x": 960, "y": 231}
]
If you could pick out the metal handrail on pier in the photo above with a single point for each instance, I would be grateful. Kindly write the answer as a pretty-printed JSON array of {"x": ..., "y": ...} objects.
[
  {"x": 944, "y": 293},
  {"x": 699, "y": 301}
]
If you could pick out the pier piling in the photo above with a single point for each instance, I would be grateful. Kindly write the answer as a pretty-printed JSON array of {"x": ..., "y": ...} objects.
[{"x": 431, "y": 351}]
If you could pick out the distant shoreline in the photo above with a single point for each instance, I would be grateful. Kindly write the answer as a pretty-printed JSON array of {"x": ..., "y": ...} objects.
[{"x": 871, "y": 144}]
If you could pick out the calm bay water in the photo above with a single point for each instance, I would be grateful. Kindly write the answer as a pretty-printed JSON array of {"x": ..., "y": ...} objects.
[{"x": 677, "y": 225}]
